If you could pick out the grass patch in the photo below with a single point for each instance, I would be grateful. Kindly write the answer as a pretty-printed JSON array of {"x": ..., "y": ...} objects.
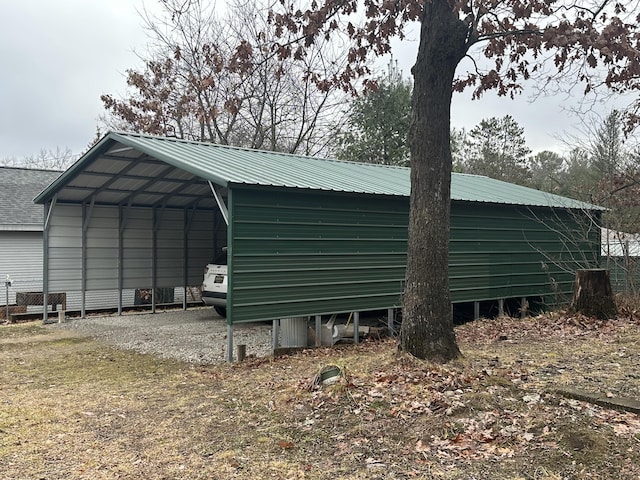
[
  {"x": 12, "y": 332},
  {"x": 75, "y": 409}
]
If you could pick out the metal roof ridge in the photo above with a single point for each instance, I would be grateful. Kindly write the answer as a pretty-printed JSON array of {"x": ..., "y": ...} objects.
[{"x": 252, "y": 150}]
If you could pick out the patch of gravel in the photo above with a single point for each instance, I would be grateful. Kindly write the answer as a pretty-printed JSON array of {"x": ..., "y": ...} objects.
[{"x": 197, "y": 335}]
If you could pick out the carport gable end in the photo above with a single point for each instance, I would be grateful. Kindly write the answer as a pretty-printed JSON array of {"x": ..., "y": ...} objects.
[{"x": 306, "y": 236}]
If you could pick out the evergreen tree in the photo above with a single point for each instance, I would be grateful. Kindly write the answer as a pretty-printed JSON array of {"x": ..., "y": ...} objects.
[
  {"x": 376, "y": 130},
  {"x": 496, "y": 147},
  {"x": 547, "y": 171}
]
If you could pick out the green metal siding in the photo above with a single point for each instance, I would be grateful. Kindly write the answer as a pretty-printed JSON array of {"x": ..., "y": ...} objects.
[
  {"x": 297, "y": 253},
  {"x": 305, "y": 253},
  {"x": 624, "y": 273},
  {"x": 499, "y": 251}
]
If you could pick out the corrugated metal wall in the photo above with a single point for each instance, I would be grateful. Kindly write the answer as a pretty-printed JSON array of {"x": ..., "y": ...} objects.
[
  {"x": 625, "y": 273},
  {"x": 197, "y": 233},
  {"x": 505, "y": 251},
  {"x": 170, "y": 239},
  {"x": 102, "y": 249},
  {"x": 298, "y": 253},
  {"x": 108, "y": 299},
  {"x": 65, "y": 248},
  {"x": 303, "y": 252},
  {"x": 137, "y": 251},
  {"x": 306, "y": 253}
]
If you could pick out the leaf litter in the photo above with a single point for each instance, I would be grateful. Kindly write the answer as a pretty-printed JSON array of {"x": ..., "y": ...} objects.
[{"x": 73, "y": 408}]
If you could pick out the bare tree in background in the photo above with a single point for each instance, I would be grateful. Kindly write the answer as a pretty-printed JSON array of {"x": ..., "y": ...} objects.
[
  {"x": 615, "y": 159},
  {"x": 216, "y": 78},
  {"x": 46, "y": 159}
]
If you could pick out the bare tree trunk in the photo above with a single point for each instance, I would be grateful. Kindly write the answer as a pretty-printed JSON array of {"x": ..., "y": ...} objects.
[
  {"x": 592, "y": 294},
  {"x": 427, "y": 325}
]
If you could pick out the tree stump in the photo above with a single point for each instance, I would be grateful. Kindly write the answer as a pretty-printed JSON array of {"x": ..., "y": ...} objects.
[{"x": 592, "y": 294}]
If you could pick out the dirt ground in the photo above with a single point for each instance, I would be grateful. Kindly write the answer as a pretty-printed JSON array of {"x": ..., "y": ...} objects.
[{"x": 75, "y": 408}]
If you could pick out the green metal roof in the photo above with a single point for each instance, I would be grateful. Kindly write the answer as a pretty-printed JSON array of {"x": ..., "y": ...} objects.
[{"x": 225, "y": 165}]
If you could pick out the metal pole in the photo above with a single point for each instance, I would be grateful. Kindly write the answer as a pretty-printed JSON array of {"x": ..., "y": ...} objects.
[
  {"x": 274, "y": 335},
  {"x": 220, "y": 202},
  {"x": 356, "y": 327},
  {"x": 6, "y": 286},
  {"x": 229, "y": 342}
]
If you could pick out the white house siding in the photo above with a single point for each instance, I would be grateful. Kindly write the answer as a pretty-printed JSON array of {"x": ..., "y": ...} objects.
[{"x": 21, "y": 259}]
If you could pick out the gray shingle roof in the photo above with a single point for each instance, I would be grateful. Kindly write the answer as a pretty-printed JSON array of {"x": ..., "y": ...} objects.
[{"x": 18, "y": 186}]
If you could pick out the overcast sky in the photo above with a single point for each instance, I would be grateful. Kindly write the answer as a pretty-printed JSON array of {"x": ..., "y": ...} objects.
[{"x": 58, "y": 57}]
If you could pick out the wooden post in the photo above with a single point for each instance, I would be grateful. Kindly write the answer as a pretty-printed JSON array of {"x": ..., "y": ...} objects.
[
  {"x": 229, "y": 342},
  {"x": 592, "y": 294},
  {"x": 524, "y": 307},
  {"x": 241, "y": 351}
]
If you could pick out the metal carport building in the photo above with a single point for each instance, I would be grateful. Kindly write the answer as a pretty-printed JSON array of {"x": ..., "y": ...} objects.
[{"x": 305, "y": 236}]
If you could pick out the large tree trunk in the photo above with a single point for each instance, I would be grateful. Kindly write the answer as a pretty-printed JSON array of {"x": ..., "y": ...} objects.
[
  {"x": 592, "y": 294},
  {"x": 427, "y": 325}
]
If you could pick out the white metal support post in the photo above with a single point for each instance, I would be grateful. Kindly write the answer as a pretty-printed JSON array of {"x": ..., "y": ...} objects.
[
  {"x": 45, "y": 254},
  {"x": 220, "y": 202},
  {"x": 87, "y": 211}
]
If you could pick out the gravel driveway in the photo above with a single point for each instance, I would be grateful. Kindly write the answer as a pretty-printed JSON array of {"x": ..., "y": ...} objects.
[{"x": 197, "y": 335}]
